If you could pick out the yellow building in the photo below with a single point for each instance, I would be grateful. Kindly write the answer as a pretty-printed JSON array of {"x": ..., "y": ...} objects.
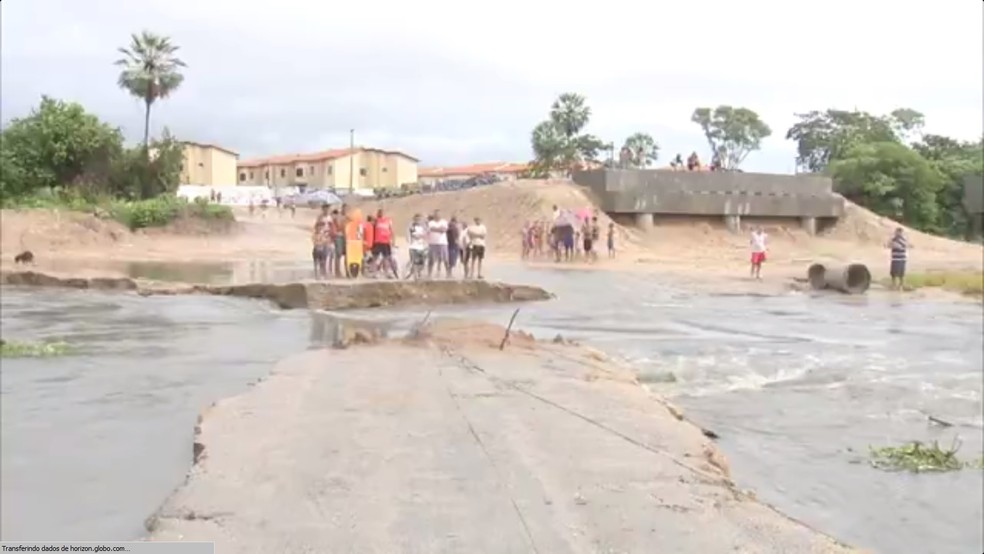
[
  {"x": 356, "y": 168},
  {"x": 209, "y": 165}
]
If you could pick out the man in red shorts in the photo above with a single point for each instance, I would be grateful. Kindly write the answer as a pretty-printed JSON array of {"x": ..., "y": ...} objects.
[{"x": 757, "y": 243}]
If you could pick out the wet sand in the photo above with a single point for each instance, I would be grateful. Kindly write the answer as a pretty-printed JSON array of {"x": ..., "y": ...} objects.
[{"x": 445, "y": 444}]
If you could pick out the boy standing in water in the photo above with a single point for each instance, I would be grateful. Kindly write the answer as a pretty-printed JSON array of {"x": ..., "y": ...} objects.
[{"x": 758, "y": 251}]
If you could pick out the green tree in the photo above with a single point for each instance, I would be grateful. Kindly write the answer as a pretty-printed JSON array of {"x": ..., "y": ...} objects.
[
  {"x": 560, "y": 143},
  {"x": 824, "y": 136},
  {"x": 732, "y": 133},
  {"x": 642, "y": 151},
  {"x": 150, "y": 71},
  {"x": 892, "y": 180},
  {"x": 906, "y": 123},
  {"x": 955, "y": 160},
  {"x": 57, "y": 144},
  {"x": 548, "y": 148}
]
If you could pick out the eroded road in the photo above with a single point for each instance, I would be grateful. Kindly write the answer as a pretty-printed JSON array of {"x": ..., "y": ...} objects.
[{"x": 449, "y": 445}]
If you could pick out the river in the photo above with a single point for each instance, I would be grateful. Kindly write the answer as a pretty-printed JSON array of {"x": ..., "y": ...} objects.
[{"x": 797, "y": 386}]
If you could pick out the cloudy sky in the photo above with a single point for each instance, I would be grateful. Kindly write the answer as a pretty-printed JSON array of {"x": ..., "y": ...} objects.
[{"x": 458, "y": 82}]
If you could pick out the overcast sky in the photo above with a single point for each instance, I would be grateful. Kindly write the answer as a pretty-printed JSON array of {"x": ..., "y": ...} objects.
[{"x": 458, "y": 82}]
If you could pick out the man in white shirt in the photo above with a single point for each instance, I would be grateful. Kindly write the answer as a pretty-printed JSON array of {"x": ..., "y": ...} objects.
[
  {"x": 477, "y": 234},
  {"x": 437, "y": 238},
  {"x": 758, "y": 251},
  {"x": 417, "y": 245}
]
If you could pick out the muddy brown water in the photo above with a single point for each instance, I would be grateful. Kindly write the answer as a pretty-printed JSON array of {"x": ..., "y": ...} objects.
[{"x": 797, "y": 386}]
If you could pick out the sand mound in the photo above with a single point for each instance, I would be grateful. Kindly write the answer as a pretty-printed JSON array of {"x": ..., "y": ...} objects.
[
  {"x": 864, "y": 227},
  {"x": 504, "y": 207},
  {"x": 45, "y": 230}
]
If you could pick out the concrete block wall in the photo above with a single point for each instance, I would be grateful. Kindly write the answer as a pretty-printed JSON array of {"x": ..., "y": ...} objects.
[{"x": 712, "y": 193}]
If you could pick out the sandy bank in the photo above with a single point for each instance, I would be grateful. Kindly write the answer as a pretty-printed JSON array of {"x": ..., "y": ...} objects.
[
  {"x": 445, "y": 444},
  {"x": 332, "y": 295}
]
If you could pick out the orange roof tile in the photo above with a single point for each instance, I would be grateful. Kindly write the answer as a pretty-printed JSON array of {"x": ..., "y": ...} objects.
[
  {"x": 322, "y": 156},
  {"x": 297, "y": 158}
]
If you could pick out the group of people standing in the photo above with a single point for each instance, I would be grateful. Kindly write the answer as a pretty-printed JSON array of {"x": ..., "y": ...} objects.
[
  {"x": 345, "y": 245},
  {"x": 569, "y": 237}
]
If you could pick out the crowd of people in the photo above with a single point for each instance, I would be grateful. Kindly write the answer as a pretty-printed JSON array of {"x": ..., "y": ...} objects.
[
  {"x": 346, "y": 246},
  {"x": 693, "y": 163},
  {"x": 566, "y": 237}
]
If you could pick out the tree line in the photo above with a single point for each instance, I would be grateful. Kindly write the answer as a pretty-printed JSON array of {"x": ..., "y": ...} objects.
[
  {"x": 882, "y": 162},
  {"x": 60, "y": 148}
]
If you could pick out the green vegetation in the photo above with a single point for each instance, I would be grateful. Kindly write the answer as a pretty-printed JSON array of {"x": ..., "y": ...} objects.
[
  {"x": 920, "y": 458},
  {"x": 732, "y": 133},
  {"x": 34, "y": 350},
  {"x": 639, "y": 151},
  {"x": 970, "y": 283},
  {"x": 887, "y": 165},
  {"x": 157, "y": 212},
  {"x": 559, "y": 142},
  {"x": 60, "y": 156},
  {"x": 882, "y": 162},
  {"x": 151, "y": 71}
]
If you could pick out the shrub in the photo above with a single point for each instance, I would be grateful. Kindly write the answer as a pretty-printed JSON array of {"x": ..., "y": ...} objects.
[{"x": 160, "y": 211}]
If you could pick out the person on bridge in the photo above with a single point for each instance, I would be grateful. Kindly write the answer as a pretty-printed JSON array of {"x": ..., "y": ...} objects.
[{"x": 758, "y": 251}]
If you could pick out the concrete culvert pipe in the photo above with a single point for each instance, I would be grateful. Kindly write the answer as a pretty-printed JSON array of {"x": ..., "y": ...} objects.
[{"x": 850, "y": 278}]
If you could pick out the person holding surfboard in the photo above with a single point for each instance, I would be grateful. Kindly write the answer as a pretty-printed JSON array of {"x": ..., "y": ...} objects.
[{"x": 353, "y": 243}]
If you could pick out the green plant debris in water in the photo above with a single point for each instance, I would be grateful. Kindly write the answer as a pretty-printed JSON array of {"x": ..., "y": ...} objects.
[
  {"x": 10, "y": 349},
  {"x": 919, "y": 457}
]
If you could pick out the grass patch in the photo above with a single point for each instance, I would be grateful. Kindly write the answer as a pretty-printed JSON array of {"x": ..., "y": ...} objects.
[
  {"x": 964, "y": 282},
  {"x": 918, "y": 457},
  {"x": 160, "y": 211},
  {"x": 135, "y": 214},
  {"x": 15, "y": 349}
]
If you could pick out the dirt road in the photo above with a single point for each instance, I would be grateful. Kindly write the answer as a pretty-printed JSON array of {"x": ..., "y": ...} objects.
[{"x": 447, "y": 444}]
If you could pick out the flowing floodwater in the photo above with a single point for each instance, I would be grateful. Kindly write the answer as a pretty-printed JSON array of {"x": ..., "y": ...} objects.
[
  {"x": 798, "y": 386},
  {"x": 92, "y": 443}
]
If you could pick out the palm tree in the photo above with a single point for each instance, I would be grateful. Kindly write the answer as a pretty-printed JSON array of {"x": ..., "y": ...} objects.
[{"x": 150, "y": 71}]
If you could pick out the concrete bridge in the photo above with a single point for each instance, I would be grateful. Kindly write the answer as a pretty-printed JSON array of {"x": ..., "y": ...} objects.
[{"x": 648, "y": 193}]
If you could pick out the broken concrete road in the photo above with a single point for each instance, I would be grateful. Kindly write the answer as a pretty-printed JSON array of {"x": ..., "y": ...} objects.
[{"x": 446, "y": 444}]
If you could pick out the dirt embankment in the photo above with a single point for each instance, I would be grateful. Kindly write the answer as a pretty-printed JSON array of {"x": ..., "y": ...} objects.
[
  {"x": 504, "y": 208},
  {"x": 702, "y": 247},
  {"x": 337, "y": 295},
  {"x": 60, "y": 234},
  {"x": 697, "y": 248},
  {"x": 444, "y": 443}
]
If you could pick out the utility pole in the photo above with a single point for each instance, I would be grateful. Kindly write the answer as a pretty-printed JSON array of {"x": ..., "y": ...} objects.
[{"x": 351, "y": 161}]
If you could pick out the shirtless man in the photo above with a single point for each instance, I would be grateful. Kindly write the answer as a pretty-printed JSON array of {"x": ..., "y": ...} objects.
[{"x": 477, "y": 232}]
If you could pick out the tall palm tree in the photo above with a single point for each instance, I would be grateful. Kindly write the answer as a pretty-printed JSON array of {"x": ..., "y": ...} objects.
[{"x": 151, "y": 71}]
